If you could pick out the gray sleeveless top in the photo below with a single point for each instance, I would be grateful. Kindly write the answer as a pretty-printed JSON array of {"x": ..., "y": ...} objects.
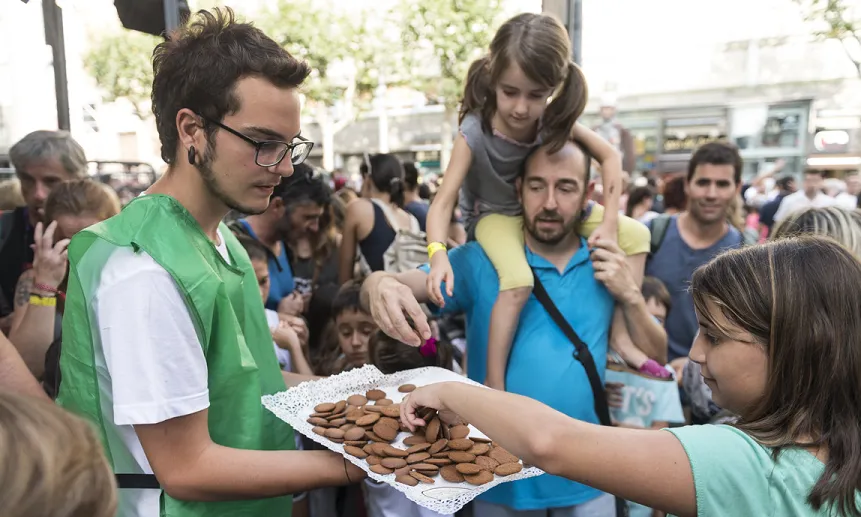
[{"x": 496, "y": 162}]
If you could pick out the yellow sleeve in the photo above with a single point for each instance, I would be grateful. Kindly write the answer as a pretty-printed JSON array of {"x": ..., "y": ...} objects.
[{"x": 634, "y": 237}]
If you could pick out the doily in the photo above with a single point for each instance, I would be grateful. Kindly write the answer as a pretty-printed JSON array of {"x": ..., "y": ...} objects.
[{"x": 295, "y": 405}]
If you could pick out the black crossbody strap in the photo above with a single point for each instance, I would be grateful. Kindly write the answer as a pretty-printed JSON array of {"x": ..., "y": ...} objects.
[
  {"x": 137, "y": 481},
  {"x": 582, "y": 352},
  {"x": 583, "y": 355}
]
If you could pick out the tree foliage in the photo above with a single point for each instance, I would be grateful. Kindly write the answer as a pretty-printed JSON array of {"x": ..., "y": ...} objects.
[
  {"x": 447, "y": 35},
  {"x": 121, "y": 64},
  {"x": 836, "y": 20}
]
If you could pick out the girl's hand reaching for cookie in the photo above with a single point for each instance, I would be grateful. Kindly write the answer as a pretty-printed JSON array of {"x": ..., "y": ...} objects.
[{"x": 426, "y": 397}]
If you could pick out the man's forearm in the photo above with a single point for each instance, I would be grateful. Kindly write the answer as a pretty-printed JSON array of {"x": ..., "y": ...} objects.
[
  {"x": 224, "y": 474},
  {"x": 650, "y": 336},
  {"x": 14, "y": 375}
]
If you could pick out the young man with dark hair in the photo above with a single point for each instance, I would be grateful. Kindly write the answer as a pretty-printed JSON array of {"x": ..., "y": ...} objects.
[
  {"x": 166, "y": 345},
  {"x": 810, "y": 196},
  {"x": 682, "y": 243}
]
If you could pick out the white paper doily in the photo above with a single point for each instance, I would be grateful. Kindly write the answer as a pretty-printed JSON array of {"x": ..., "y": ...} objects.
[{"x": 295, "y": 405}]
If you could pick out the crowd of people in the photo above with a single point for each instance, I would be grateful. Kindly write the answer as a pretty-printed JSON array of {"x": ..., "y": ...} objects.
[{"x": 682, "y": 345}]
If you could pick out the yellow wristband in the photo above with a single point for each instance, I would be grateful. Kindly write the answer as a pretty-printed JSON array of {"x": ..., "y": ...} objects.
[
  {"x": 434, "y": 247},
  {"x": 43, "y": 301}
]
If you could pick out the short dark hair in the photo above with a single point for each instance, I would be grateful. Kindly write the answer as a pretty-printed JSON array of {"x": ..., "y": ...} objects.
[
  {"x": 255, "y": 250},
  {"x": 717, "y": 153},
  {"x": 392, "y": 356},
  {"x": 347, "y": 299},
  {"x": 386, "y": 173},
  {"x": 637, "y": 196},
  {"x": 198, "y": 66},
  {"x": 587, "y": 158},
  {"x": 785, "y": 182},
  {"x": 654, "y": 288},
  {"x": 303, "y": 186},
  {"x": 814, "y": 172}
]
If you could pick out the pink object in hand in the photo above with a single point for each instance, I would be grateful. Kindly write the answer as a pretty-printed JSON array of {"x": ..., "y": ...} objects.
[
  {"x": 429, "y": 348},
  {"x": 653, "y": 368}
]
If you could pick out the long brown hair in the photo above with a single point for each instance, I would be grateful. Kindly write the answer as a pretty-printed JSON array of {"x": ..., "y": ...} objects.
[
  {"x": 800, "y": 299},
  {"x": 53, "y": 463},
  {"x": 539, "y": 45}
]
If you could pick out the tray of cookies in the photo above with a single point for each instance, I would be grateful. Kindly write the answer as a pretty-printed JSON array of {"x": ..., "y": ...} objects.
[{"x": 357, "y": 414}]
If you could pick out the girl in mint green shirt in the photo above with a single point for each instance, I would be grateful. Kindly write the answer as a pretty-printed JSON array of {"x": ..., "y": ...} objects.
[{"x": 779, "y": 345}]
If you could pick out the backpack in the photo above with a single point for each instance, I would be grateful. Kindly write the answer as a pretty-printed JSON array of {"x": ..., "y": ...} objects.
[
  {"x": 408, "y": 250},
  {"x": 659, "y": 225}
]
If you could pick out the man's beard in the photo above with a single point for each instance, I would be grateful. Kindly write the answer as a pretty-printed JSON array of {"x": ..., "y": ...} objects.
[
  {"x": 551, "y": 239},
  {"x": 204, "y": 167}
]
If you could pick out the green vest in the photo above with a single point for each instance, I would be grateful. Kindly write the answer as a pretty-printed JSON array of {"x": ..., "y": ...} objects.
[{"x": 227, "y": 310}]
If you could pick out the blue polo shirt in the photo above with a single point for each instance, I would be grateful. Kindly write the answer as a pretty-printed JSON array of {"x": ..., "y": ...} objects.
[
  {"x": 542, "y": 364},
  {"x": 281, "y": 283}
]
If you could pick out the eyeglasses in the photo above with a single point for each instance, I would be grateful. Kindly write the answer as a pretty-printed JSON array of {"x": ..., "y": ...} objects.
[{"x": 269, "y": 153}]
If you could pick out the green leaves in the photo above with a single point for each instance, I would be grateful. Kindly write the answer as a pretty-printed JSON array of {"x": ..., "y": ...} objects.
[
  {"x": 835, "y": 20},
  {"x": 121, "y": 64},
  {"x": 447, "y": 35}
]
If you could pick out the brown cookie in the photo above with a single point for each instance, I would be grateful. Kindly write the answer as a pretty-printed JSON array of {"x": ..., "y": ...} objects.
[
  {"x": 407, "y": 388},
  {"x": 432, "y": 431},
  {"x": 338, "y": 422},
  {"x": 385, "y": 432},
  {"x": 347, "y": 427},
  {"x": 341, "y": 405},
  {"x": 356, "y": 443},
  {"x": 384, "y": 402},
  {"x": 317, "y": 421},
  {"x": 470, "y": 469},
  {"x": 375, "y": 394},
  {"x": 486, "y": 463},
  {"x": 326, "y": 407},
  {"x": 463, "y": 444},
  {"x": 379, "y": 449},
  {"x": 369, "y": 448},
  {"x": 443, "y": 454},
  {"x": 393, "y": 411},
  {"x": 417, "y": 457},
  {"x": 394, "y": 452},
  {"x": 406, "y": 479},
  {"x": 357, "y": 400},
  {"x": 440, "y": 462},
  {"x": 403, "y": 471},
  {"x": 459, "y": 431},
  {"x": 379, "y": 469},
  {"x": 421, "y": 477},
  {"x": 355, "y": 452},
  {"x": 335, "y": 434},
  {"x": 480, "y": 439},
  {"x": 461, "y": 457},
  {"x": 391, "y": 422},
  {"x": 481, "y": 478},
  {"x": 502, "y": 456},
  {"x": 394, "y": 463},
  {"x": 426, "y": 468},
  {"x": 319, "y": 430},
  {"x": 507, "y": 469},
  {"x": 373, "y": 409},
  {"x": 373, "y": 460},
  {"x": 369, "y": 419},
  {"x": 356, "y": 433},
  {"x": 438, "y": 446},
  {"x": 450, "y": 474},
  {"x": 479, "y": 449},
  {"x": 418, "y": 448},
  {"x": 354, "y": 415},
  {"x": 320, "y": 415},
  {"x": 374, "y": 438},
  {"x": 414, "y": 440},
  {"x": 427, "y": 414},
  {"x": 445, "y": 431}
]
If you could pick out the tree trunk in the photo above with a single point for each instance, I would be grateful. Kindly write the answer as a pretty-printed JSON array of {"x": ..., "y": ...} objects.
[
  {"x": 446, "y": 139},
  {"x": 327, "y": 127}
]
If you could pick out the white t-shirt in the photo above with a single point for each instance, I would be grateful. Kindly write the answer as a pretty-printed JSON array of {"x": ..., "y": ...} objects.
[
  {"x": 150, "y": 364},
  {"x": 799, "y": 201},
  {"x": 384, "y": 500},
  {"x": 283, "y": 356}
]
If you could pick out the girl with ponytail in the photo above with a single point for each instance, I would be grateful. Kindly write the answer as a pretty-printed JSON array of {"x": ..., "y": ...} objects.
[{"x": 525, "y": 93}]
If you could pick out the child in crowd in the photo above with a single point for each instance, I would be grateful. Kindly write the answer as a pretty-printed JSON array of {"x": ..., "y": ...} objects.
[
  {"x": 351, "y": 329},
  {"x": 526, "y": 92},
  {"x": 288, "y": 347},
  {"x": 642, "y": 401},
  {"x": 391, "y": 356}
]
